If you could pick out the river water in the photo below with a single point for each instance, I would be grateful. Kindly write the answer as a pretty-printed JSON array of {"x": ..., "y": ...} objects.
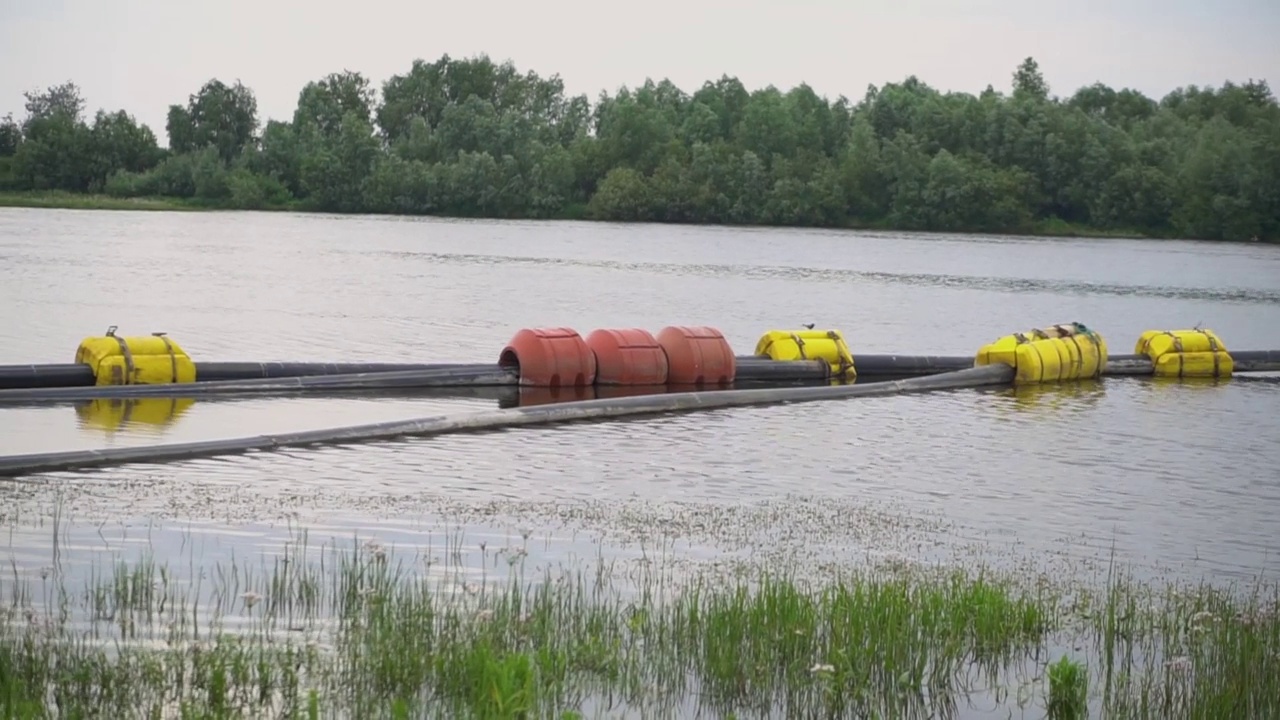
[{"x": 1175, "y": 476}]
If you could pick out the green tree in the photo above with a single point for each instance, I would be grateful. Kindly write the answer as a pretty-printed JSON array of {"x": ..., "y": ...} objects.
[
  {"x": 474, "y": 137},
  {"x": 1028, "y": 82},
  {"x": 218, "y": 115},
  {"x": 10, "y": 136}
]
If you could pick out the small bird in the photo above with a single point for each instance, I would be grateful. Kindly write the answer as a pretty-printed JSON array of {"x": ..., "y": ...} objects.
[{"x": 807, "y": 326}]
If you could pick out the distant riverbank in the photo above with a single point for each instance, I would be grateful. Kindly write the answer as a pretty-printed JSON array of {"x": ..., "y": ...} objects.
[
  {"x": 59, "y": 200},
  {"x": 477, "y": 139}
]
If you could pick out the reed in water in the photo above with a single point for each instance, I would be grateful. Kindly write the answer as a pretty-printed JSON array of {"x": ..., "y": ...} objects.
[{"x": 357, "y": 630}]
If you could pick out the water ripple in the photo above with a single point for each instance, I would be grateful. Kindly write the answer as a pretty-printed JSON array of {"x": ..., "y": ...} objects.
[
  {"x": 842, "y": 276},
  {"x": 1183, "y": 472}
]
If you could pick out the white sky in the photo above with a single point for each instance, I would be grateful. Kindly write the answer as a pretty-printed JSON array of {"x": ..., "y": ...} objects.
[{"x": 143, "y": 55}]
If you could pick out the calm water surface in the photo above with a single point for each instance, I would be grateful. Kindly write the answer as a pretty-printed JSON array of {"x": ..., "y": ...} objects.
[{"x": 1183, "y": 474}]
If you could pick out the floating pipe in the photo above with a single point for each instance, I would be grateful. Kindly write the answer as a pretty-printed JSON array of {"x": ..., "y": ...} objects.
[
  {"x": 28, "y": 383},
  {"x": 753, "y": 370},
  {"x": 42, "y": 376},
  {"x": 503, "y": 395},
  {"x": 602, "y": 409},
  {"x": 750, "y": 368},
  {"x": 909, "y": 365},
  {"x": 1242, "y": 361},
  {"x": 78, "y": 375},
  {"x": 437, "y": 377}
]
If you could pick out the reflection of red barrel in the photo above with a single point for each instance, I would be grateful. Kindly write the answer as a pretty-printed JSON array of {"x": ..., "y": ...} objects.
[
  {"x": 604, "y": 392},
  {"x": 697, "y": 356},
  {"x": 535, "y": 395},
  {"x": 630, "y": 356},
  {"x": 550, "y": 357}
]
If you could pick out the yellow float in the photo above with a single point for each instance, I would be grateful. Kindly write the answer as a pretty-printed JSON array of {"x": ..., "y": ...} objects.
[
  {"x": 1186, "y": 353},
  {"x": 1067, "y": 351},
  {"x": 146, "y": 360},
  {"x": 808, "y": 344}
]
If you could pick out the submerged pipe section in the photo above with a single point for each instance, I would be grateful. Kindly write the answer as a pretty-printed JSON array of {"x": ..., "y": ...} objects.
[{"x": 601, "y": 409}]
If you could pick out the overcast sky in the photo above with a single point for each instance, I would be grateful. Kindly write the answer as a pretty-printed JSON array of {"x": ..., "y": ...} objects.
[{"x": 143, "y": 55}]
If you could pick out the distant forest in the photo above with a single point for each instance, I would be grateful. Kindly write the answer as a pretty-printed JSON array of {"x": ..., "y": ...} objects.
[{"x": 475, "y": 138}]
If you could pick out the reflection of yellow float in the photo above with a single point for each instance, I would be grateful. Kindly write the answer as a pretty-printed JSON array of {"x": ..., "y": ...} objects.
[
  {"x": 113, "y": 414},
  {"x": 1166, "y": 384},
  {"x": 1052, "y": 396}
]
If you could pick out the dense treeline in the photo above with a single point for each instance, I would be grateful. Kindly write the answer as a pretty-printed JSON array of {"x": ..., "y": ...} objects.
[{"x": 472, "y": 137}]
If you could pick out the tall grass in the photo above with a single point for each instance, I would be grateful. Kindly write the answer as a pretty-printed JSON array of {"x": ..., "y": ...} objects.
[{"x": 356, "y": 631}]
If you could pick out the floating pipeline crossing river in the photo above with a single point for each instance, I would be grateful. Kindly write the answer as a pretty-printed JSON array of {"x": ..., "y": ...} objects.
[
  {"x": 111, "y": 366},
  {"x": 606, "y": 357},
  {"x": 680, "y": 369}
]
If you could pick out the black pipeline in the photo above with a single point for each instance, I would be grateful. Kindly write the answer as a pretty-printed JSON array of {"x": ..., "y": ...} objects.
[
  {"x": 1244, "y": 361},
  {"x": 751, "y": 368},
  {"x": 77, "y": 375},
  {"x": 600, "y": 409},
  {"x": 434, "y": 377}
]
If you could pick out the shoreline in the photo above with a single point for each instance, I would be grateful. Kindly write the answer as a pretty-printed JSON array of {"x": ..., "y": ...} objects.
[
  {"x": 341, "y": 624},
  {"x": 72, "y": 201}
]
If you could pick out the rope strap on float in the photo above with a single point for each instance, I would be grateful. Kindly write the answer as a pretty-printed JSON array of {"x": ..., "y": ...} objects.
[
  {"x": 173, "y": 356},
  {"x": 1038, "y": 355},
  {"x": 1197, "y": 352},
  {"x": 129, "y": 367}
]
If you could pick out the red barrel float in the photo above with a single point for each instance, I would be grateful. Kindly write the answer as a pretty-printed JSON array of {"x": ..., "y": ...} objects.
[
  {"x": 630, "y": 356},
  {"x": 550, "y": 357},
  {"x": 697, "y": 355}
]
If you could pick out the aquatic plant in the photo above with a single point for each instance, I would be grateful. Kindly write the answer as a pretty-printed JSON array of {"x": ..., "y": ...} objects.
[{"x": 336, "y": 630}]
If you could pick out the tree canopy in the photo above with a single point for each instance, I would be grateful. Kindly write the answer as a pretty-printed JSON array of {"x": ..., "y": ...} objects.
[{"x": 473, "y": 137}]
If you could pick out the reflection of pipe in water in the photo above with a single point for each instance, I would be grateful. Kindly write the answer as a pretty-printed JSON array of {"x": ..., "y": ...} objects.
[
  {"x": 114, "y": 414},
  {"x": 587, "y": 410},
  {"x": 531, "y": 395},
  {"x": 507, "y": 394}
]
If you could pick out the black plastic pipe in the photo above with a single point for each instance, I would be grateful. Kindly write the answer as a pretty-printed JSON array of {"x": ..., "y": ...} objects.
[
  {"x": 75, "y": 375},
  {"x": 503, "y": 395},
  {"x": 321, "y": 376},
  {"x": 602, "y": 409},
  {"x": 43, "y": 376},
  {"x": 437, "y": 377},
  {"x": 1243, "y": 361},
  {"x": 909, "y": 365},
  {"x": 751, "y": 367},
  {"x": 219, "y": 371}
]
